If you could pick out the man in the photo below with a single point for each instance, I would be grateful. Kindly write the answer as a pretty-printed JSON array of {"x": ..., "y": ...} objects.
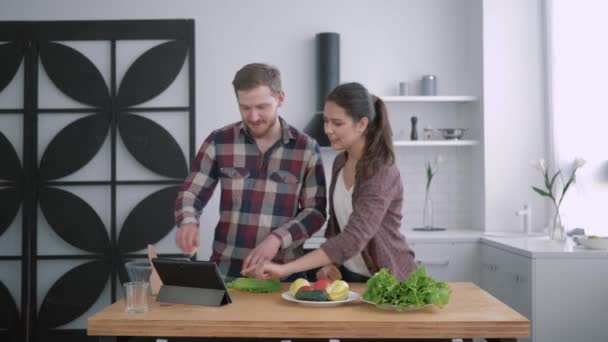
[{"x": 271, "y": 176}]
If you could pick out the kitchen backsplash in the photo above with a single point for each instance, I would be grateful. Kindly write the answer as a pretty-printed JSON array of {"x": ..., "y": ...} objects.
[{"x": 450, "y": 189}]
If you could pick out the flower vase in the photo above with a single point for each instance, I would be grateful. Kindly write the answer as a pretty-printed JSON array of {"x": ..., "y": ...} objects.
[
  {"x": 427, "y": 213},
  {"x": 557, "y": 230}
]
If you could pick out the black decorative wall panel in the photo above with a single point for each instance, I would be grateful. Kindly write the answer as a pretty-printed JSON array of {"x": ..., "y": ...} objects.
[{"x": 36, "y": 183}]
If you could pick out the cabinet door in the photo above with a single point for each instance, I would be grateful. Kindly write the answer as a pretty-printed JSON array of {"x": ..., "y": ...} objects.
[
  {"x": 508, "y": 277},
  {"x": 492, "y": 280},
  {"x": 434, "y": 257},
  {"x": 449, "y": 261},
  {"x": 465, "y": 263},
  {"x": 519, "y": 278}
]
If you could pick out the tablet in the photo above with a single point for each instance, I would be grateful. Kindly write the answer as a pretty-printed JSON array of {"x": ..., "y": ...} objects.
[{"x": 186, "y": 273}]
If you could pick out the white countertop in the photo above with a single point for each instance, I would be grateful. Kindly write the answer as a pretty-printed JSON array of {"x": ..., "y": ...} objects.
[
  {"x": 450, "y": 235},
  {"x": 412, "y": 236},
  {"x": 544, "y": 248},
  {"x": 535, "y": 247}
]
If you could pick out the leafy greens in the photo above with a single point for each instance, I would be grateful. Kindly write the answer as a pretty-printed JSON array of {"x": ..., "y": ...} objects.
[
  {"x": 255, "y": 285},
  {"x": 417, "y": 290}
]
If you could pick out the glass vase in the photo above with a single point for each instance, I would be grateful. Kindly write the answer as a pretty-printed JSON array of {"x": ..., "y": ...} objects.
[
  {"x": 427, "y": 212},
  {"x": 557, "y": 230}
]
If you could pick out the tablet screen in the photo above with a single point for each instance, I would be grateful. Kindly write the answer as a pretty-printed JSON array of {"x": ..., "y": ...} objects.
[{"x": 201, "y": 274}]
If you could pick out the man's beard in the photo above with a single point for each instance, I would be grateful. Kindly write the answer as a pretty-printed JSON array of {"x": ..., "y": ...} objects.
[{"x": 267, "y": 128}]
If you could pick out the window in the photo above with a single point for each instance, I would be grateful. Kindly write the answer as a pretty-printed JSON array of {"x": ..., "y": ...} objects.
[{"x": 577, "y": 105}]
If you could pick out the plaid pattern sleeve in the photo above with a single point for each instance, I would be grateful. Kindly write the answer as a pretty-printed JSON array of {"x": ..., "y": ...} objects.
[
  {"x": 199, "y": 186},
  {"x": 312, "y": 201}
]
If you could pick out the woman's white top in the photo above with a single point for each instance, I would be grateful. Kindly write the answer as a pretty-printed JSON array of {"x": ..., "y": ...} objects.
[{"x": 343, "y": 207}]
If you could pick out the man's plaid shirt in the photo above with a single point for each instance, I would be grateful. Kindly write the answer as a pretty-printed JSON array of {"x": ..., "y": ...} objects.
[{"x": 280, "y": 192}]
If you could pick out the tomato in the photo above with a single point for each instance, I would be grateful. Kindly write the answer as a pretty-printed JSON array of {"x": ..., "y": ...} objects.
[
  {"x": 305, "y": 288},
  {"x": 321, "y": 284}
]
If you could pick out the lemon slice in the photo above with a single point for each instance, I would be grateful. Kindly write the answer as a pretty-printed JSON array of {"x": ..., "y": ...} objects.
[
  {"x": 295, "y": 286},
  {"x": 338, "y": 290}
]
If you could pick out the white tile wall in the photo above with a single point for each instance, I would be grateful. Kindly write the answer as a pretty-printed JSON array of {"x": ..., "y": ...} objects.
[{"x": 451, "y": 188}]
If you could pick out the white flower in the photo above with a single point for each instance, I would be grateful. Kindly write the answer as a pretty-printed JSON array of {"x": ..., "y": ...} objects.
[
  {"x": 579, "y": 162},
  {"x": 551, "y": 189},
  {"x": 438, "y": 159},
  {"x": 431, "y": 170},
  {"x": 539, "y": 165}
]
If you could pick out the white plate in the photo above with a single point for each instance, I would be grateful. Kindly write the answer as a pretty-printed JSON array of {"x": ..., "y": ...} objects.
[
  {"x": 597, "y": 243},
  {"x": 352, "y": 296},
  {"x": 394, "y": 307}
]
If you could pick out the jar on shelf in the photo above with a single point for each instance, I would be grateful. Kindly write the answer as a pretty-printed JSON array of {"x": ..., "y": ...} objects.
[
  {"x": 428, "y": 85},
  {"x": 427, "y": 133}
]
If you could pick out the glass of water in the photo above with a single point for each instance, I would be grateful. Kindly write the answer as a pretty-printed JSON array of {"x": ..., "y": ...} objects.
[{"x": 136, "y": 296}]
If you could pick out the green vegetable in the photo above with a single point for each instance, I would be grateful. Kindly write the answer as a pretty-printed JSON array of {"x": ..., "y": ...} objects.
[
  {"x": 313, "y": 295},
  {"x": 255, "y": 285},
  {"x": 417, "y": 290}
]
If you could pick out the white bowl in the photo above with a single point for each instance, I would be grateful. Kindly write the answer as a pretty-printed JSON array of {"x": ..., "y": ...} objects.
[
  {"x": 452, "y": 133},
  {"x": 600, "y": 242}
]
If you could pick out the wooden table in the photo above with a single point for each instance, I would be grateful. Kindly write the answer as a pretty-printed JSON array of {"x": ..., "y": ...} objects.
[{"x": 471, "y": 313}]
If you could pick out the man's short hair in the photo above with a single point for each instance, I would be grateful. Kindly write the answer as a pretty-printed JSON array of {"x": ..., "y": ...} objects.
[{"x": 257, "y": 74}]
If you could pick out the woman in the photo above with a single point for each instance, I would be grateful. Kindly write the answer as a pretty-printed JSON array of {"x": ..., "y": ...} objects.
[{"x": 366, "y": 195}]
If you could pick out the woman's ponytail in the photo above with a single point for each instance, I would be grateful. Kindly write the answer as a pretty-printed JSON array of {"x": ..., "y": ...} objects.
[{"x": 379, "y": 148}]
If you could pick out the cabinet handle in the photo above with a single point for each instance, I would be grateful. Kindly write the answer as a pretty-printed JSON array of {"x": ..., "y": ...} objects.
[
  {"x": 491, "y": 267},
  {"x": 440, "y": 262},
  {"x": 519, "y": 279}
]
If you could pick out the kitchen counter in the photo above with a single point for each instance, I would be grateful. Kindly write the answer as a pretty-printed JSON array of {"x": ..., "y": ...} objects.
[
  {"x": 461, "y": 235},
  {"x": 535, "y": 247},
  {"x": 452, "y": 235},
  {"x": 543, "y": 248},
  {"x": 471, "y": 313}
]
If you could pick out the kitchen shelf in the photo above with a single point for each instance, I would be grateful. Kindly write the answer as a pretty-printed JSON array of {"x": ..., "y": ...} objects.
[
  {"x": 453, "y": 98},
  {"x": 435, "y": 142},
  {"x": 426, "y": 143}
]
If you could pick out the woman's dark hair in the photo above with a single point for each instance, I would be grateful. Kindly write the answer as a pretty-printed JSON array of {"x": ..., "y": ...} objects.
[{"x": 358, "y": 104}]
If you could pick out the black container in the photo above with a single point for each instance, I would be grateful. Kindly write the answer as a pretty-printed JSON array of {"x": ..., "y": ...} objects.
[
  {"x": 328, "y": 77},
  {"x": 328, "y": 65}
]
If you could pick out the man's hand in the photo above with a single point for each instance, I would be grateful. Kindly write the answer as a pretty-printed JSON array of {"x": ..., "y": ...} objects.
[
  {"x": 330, "y": 272},
  {"x": 265, "y": 251},
  {"x": 187, "y": 238}
]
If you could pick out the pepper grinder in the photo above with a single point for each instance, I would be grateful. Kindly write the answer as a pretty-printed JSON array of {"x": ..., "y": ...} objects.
[{"x": 414, "y": 133}]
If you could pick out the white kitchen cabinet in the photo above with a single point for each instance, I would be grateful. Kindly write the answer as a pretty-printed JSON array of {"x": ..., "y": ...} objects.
[
  {"x": 565, "y": 295},
  {"x": 508, "y": 277},
  {"x": 449, "y": 261}
]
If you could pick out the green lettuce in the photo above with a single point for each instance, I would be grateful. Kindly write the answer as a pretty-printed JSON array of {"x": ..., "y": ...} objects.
[
  {"x": 255, "y": 285},
  {"x": 417, "y": 290}
]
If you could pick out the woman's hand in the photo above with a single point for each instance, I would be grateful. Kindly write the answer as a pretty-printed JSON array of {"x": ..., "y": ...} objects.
[{"x": 266, "y": 270}]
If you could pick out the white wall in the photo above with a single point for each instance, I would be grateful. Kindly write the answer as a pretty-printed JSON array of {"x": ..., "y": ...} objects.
[
  {"x": 382, "y": 43},
  {"x": 514, "y": 111},
  {"x": 478, "y": 200}
]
